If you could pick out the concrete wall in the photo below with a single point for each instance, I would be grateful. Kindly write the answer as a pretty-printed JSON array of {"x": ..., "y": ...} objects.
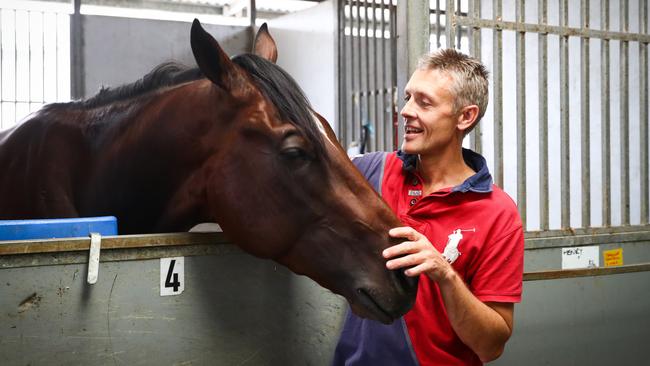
[
  {"x": 306, "y": 50},
  {"x": 235, "y": 310},
  {"x": 582, "y": 321},
  {"x": 121, "y": 50}
]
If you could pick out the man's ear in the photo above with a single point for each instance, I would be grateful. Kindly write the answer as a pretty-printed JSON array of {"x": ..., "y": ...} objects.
[{"x": 467, "y": 117}]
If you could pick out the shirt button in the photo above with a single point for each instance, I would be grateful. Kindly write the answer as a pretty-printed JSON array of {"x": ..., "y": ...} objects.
[
  {"x": 413, "y": 201},
  {"x": 415, "y": 181}
]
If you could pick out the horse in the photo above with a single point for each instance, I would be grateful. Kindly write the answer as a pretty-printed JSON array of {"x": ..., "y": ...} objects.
[{"x": 235, "y": 142}]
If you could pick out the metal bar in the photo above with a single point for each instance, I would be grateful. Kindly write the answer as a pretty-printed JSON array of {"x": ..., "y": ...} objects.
[
  {"x": 350, "y": 92},
  {"x": 375, "y": 119},
  {"x": 394, "y": 111},
  {"x": 591, "y": 239},
  {"x": 353, "y": 75},
  {"x": 140, "y": 247},
  {"x": 643, "y": 112},
  {"x": 475, "y": 51},
  {"x": 543, "y": 118},
  {"x": 56, "y": 57},
  {"x": 498, "y": 97},
  {"x": 364, "y": 88},
  {"x": 15, "y": 65},
  {"x": 584, "y": 117},
  {"x": 624, "y": 117},
  {"x": 109, "y": 242},
  {"x": 77, "y": 82},
  {"x": 359, "y": 101},
  {"x": 458, "y": 30},
  {"x": 521, "y": 112},
  {"x": 341, "y": 71},
  {"x": 368, "y": 89},
  {"x": 117, "y": 255},
  {"x": 2, "y": 126},
  {"x": 29, "y": 58},
  {"x": 597, "y": 230},
  {"x": 43, "y": 57},
  {"x": 605, "y": 117},
  {"x": 565, "y": 166},
  {"x": 385, "y": 132},
  {"x": 438, "y": 44},
  {"x": 590, "y": 272},
  {"x": 534, "y": 240},
  {"x": 498, "y": 24},
  {"x": 450, "y": 24},
  {"x": 252, "y": 13}
]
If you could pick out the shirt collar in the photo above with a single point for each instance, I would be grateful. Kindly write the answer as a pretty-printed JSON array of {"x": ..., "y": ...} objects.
[{"x": 480, "y": 182}]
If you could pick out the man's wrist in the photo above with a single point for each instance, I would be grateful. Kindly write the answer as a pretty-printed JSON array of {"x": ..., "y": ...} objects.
[{"x": 448, "y": 276}]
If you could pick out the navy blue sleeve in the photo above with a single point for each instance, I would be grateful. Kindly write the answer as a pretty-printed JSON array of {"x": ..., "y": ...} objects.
[
  {"x": 365, "y": 342},
  {"x": 371, "y": 165}
]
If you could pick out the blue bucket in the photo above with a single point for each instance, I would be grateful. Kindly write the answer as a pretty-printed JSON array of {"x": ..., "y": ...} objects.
[{"x": 57, "y": 228}]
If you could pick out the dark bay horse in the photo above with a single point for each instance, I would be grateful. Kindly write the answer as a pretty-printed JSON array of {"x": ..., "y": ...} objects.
[{"x": 233, "y": 141}]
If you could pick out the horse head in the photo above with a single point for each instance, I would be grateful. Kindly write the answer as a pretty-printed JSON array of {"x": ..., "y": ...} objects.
[{"x": 298, "y": 199}]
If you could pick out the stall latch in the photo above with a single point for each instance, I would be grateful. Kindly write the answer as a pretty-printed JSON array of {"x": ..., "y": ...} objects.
[{"x": 93, "y": 259}]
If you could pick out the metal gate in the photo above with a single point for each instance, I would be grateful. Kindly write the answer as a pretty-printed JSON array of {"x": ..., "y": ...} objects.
[
  {"x": 34, "y": 57},
  {"x": 367, "y": 88},
  {"x": 565, "y": 134},
  {"x": 567, "y": 131}
]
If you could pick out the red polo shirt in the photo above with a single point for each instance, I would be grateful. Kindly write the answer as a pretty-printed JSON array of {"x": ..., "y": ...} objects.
[{"x": 490, "y": 262}]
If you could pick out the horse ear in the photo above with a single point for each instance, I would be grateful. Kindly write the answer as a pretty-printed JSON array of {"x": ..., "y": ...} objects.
[
  {"x": 211, "y": 59},
  {"x": 264, "y": 45}
]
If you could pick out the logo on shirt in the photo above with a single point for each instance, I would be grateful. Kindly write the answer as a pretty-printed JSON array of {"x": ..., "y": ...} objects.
[{"x": 451, "y": 252}]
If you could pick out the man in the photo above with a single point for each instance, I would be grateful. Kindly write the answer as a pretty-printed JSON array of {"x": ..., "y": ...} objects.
[{"x": 462, "y": 235}]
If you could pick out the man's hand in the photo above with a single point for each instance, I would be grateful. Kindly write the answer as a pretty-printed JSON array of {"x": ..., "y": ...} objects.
[
  {"x": 484, "y": 327},
  {"x": 418, "y": 254}
]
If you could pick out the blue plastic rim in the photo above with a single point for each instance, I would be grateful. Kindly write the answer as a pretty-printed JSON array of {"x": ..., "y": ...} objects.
[{"x": 57, "y": 228}]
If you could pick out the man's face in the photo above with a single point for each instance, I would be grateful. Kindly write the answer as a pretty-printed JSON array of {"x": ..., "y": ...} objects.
[{"x": 429, "y": 118}]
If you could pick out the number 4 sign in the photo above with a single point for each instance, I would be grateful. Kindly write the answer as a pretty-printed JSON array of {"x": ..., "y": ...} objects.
[{"x": 172, "y": 276}]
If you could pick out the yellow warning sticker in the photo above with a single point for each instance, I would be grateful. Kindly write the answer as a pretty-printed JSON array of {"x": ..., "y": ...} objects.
[{"x": 613, "y": 257}]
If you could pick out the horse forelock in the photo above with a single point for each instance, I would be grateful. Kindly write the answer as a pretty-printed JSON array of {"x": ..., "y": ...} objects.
[{"x": 286, "y": 95}]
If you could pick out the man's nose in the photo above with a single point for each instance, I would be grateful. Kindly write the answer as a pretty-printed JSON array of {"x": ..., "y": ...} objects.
[{"x": 407, "y": 111}]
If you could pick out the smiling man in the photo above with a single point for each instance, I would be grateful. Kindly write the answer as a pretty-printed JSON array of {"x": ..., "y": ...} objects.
[{"x": 462, "y": 235}]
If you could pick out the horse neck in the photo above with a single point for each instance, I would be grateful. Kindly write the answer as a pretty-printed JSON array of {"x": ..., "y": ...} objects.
[{"x": 148, "y": 168}]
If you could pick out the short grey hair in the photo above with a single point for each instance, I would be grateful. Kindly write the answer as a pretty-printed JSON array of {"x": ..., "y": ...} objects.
[{"x": 470, "y": 86}]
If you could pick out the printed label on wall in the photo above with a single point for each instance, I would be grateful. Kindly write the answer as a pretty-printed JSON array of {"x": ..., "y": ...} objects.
[
  {"x": 172, "y": 276},
  {"x": 580, "y": 257},
  {"x": 613, "y": 257}
]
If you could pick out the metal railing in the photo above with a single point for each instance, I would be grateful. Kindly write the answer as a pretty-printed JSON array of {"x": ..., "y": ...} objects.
[
  {"x": 367, "y": 87},
  {"x": 34, "y": 57},
  {"x": 566, "y": 134},
  {"x": 578, "y": 170},
  {"x": 26, "y": 253}
]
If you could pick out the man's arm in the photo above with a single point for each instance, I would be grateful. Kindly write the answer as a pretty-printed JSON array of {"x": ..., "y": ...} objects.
[{"x": 484, "y": 327}]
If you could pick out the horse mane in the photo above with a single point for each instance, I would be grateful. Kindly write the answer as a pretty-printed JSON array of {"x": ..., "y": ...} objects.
[
  {"x": 283, "y": 92},
  {"x": 276, "y": 84},
  {"x": 164, "y": 75}
]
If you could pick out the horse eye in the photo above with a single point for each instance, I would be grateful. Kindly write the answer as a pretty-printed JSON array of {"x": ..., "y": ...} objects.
[
  {"x": 294, "y": 153},
  {"x": 293, "y": 148}
]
